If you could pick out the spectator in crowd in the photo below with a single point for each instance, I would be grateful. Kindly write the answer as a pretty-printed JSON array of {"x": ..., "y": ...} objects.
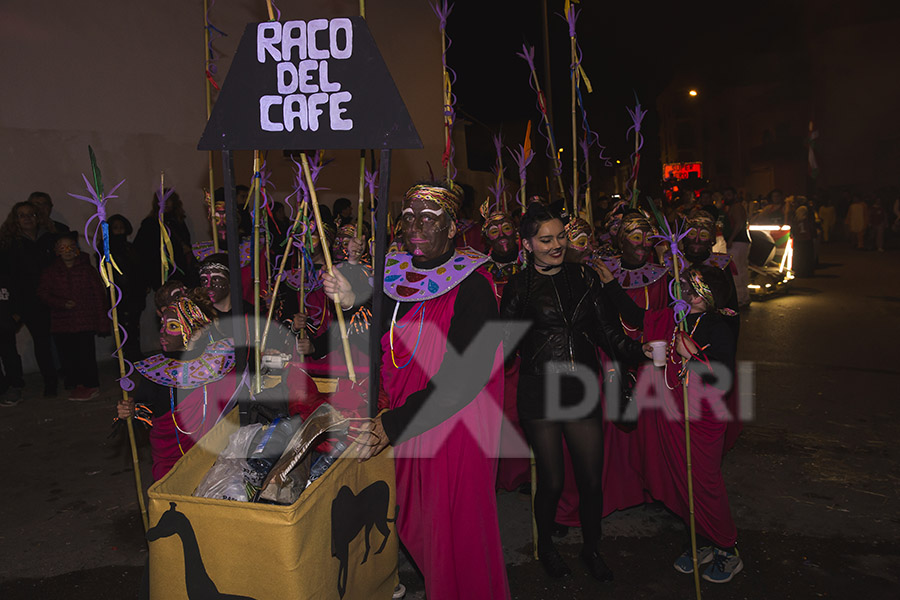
[
  {"x": 27, "y": 252},
  {"x": 858, "y": 221},
  {"x": 43, "y": 204},
  {"x": 72, "y": 288}
]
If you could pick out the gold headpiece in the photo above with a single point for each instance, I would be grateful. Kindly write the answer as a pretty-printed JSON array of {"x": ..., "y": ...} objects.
[
  {"x": 449, "y": 200},
  {"x": 190, "y": 317}
]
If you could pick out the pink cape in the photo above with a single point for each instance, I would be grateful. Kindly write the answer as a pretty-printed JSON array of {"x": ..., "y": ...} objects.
[
  {"x": 446, "y": 476},
  {"x": 661, "y": 429},
  {"x": 623, "y": 483},
  {"x": 165, "y": 438}
]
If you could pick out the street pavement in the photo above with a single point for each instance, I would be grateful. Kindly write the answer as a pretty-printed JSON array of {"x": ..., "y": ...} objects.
[{"x": 813, "y": 480}]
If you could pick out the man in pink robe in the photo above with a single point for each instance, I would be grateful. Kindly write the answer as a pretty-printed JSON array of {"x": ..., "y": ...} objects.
[{"x": 444, "y": 388}]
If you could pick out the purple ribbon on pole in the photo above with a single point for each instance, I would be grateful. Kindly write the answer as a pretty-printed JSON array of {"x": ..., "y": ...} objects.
[{"x": 99, "y": 201}]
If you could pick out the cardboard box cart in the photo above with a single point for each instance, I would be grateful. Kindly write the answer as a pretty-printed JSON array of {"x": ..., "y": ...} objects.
[{"x": 339, "y": 539}]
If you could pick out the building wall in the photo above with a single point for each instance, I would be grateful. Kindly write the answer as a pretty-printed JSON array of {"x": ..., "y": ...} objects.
[{"x": 127, "y": 78}]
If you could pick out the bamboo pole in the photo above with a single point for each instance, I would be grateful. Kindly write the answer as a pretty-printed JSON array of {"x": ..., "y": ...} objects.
[
  {"x": 163, "y": 259},
  {"x": 212, "y": 182},
  {"x": 555, "y": 154},
  {"x": 362, "y": 193},
  {"x": 687, "y": 442},
  {"x": 129, "y": 422},
  {"x": 326, "y": 251},
  {"x": 634, "y": 169},
  {"x": 277, "y": 284},
  {"x": 257, "y": 350},
  {"x": 574, "y": 126},
  {"x": 448, "y": 118}
]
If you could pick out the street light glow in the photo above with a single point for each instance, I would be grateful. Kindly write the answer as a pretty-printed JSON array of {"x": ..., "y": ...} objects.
[{"x": 692, "y": 93}]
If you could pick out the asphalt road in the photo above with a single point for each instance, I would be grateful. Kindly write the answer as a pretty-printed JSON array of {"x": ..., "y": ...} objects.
[{"x": 813, "y": 480}]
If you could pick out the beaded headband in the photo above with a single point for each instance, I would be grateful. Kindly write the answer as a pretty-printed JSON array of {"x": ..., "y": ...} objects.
[
  {"x": 495, "y": 217},
  {"x": 701, "y": 219},
  {"x": 704, "y": 292},
  {"x": 189, "y": 316},
  {"x": 576, "y": 227},
  {"x": 213, "y": 266},
  {"x": 633, "y": 221},
  {"x": 446, "y": 199}
]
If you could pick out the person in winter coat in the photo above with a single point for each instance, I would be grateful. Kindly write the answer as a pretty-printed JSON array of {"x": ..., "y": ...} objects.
[{"x": 72, "y": 288}]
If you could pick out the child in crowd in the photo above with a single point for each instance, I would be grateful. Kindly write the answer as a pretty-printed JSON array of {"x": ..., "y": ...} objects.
[{"x": 72, "y": 288}]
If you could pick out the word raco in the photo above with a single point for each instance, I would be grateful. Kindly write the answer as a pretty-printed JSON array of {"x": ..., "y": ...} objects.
[{"x": 304, "y": 88}]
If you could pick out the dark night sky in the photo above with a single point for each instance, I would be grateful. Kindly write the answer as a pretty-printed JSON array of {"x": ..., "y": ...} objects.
[{"x": 628, "y": 47}]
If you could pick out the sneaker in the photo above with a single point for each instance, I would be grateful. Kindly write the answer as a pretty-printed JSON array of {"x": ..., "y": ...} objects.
[
  {"x": 685, "y": 562},
  {"x": 724, "y": 567},
  {"x": 83, "y": 394},
  {"x": 9, "y": 400},
  {"x": 399, "y": 591}
]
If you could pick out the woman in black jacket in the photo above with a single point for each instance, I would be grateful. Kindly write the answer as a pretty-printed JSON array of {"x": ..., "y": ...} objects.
[{"x": 558, "y": 392}]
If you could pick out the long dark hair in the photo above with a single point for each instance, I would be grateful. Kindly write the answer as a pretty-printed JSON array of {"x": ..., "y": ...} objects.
[
  {"x": 10, "y": 229},
  {"x": 535, "y": 215}
]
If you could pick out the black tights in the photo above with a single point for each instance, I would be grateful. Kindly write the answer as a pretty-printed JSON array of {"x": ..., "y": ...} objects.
[{"x": 584, "y": 439}]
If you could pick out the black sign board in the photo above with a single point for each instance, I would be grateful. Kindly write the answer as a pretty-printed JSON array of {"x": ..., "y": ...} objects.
[{"x": 320, "y": 83}]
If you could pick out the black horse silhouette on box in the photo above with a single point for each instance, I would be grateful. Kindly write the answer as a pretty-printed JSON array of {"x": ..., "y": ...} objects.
[{"x": 351, "y": 513}]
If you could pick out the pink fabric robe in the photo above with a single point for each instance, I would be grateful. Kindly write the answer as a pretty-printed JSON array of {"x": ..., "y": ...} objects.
[
  {"x": 165, "y": 438},
  {"x": 665, "y": 459},
  {"x": 446, "y": 475}
]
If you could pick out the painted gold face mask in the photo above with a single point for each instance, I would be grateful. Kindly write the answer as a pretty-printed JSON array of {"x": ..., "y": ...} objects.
[
  {"x": 635, "y": 240},
  {"x": 500, "y": 234}
]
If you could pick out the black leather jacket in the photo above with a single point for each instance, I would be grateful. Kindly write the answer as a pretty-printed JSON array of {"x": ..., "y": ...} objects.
[{"x": 569, "y": 317}]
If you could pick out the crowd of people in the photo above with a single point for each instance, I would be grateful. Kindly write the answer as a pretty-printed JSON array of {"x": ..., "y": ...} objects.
[{"x": 530, "y": 330}]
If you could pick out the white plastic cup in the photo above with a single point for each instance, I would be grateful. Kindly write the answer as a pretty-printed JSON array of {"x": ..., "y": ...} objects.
[{"x": 658, "y": 349}]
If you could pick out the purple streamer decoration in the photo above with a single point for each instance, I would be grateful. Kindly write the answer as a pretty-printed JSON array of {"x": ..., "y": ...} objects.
[
  {"x": 527, "y": 54},
  {"x": 522, "y": 161},
  {"x": 673, "y": 238},
  {"x": 214, "y": 34},
  {"x": 442, "y": 11},
  {"x": 499, "y": 185},
  {"x": 571, "y": 18},
  {"x": 371, "y": 181},
  {"x": 637, "y": 116},
  {"x": 99, "y": 201}
]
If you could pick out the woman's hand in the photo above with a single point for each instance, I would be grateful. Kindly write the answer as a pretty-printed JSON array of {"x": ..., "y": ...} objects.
[
  {"x": 372, "y": 439},
  {"x": 647, "y": 349},
  {"x": 125, "y": 408},
  {"x": 603, "y": 271},
  {"x": 338, "y": 288}
]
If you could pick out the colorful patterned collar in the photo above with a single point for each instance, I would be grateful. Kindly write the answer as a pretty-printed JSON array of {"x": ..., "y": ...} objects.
[
  {"x": 214, "y": 364},
  {"x": 203, "y": 249},
  {"x": 405, "y": 283},
  {"x": 631, "y": 279}
]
